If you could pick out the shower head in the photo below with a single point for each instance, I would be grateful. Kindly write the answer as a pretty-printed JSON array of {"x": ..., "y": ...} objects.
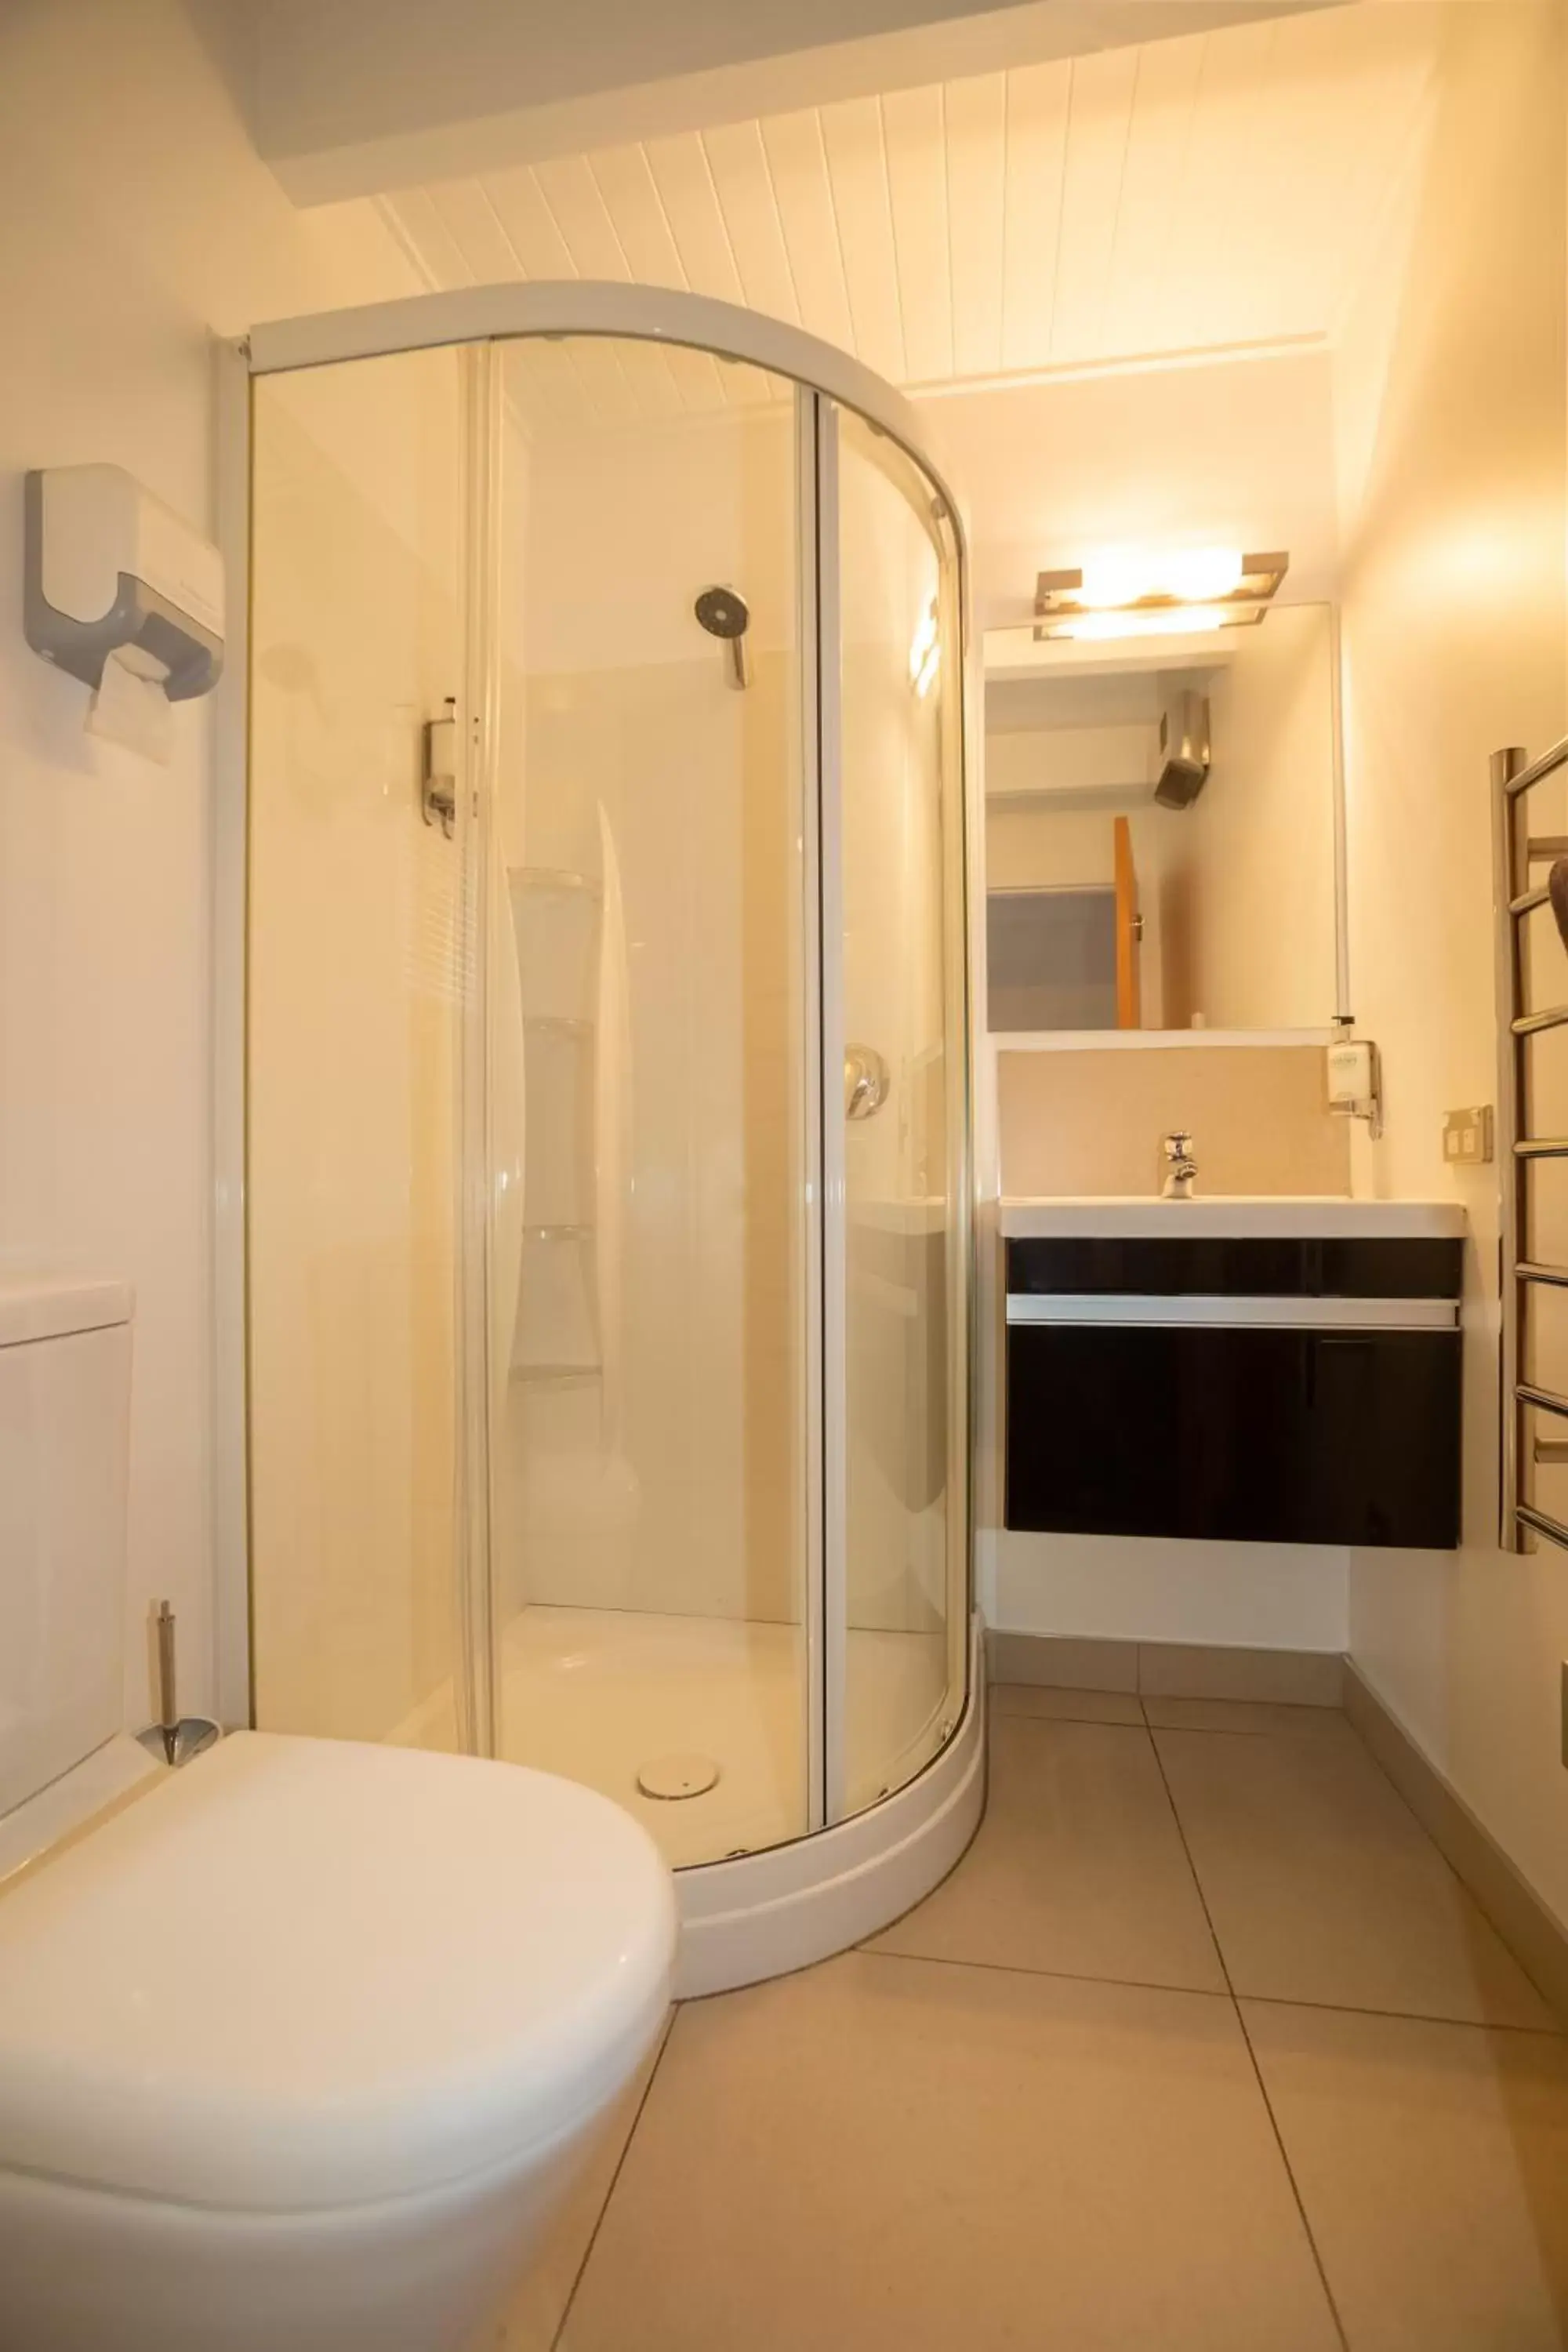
[
  {"x": 725, "y": 614},
  {"x": 722, "y": 612}
]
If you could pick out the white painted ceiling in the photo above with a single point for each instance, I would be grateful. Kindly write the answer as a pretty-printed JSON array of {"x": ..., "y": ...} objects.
[{"x": 1202, "y": 194}]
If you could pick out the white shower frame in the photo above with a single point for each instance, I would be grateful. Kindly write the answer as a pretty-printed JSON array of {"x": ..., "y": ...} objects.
[{"x": 762, "y": 1914}]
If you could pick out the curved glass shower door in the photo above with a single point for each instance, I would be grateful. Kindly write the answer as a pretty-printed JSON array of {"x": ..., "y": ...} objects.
[
  {"x": 607, "y": 1156},
  {"x": 900, "y": 1021},
  {"x": 650, "y": 1256},
  {"x": 355, "y": 987}
]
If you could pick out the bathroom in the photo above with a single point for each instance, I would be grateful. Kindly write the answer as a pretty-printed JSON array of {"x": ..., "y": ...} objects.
[{"x": 1112, "y": 1904}]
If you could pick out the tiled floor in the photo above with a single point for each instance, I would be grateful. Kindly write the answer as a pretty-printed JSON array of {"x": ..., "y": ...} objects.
[{"x": 1202, "y": 2047}]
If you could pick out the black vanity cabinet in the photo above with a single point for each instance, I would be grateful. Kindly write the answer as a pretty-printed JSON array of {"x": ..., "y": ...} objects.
[{"x": 1271, "y": 1392}]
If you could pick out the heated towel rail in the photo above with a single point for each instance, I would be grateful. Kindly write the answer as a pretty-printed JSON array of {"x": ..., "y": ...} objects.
[{"x": 1520, "y": 857}]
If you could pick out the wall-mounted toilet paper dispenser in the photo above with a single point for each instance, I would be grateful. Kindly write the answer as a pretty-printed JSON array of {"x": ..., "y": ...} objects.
[{"x": 109, "y": 571}]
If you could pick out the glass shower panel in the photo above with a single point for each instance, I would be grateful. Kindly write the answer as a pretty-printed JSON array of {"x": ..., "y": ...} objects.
[
  {"x": 900, "y": 868},
  {"x": 648, "y": 1265},
  {"x": 355, "y": 962}
]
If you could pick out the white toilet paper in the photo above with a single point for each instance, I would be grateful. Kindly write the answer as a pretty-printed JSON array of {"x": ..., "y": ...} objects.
[{"x": 129, "y": 706}]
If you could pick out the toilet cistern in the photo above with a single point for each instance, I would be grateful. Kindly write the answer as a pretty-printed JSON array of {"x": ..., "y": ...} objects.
[{"x": 1181, "y": 1167}]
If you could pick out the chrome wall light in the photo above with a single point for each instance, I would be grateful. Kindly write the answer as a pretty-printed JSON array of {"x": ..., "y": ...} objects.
[{"x": 1130, "y": 592}]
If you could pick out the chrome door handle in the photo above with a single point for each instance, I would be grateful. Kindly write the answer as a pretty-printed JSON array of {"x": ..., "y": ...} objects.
[{"x": 867, "y": 1081}]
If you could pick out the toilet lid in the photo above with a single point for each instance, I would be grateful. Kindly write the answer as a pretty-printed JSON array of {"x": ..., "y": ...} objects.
[{"x": 303, "y": 1973}]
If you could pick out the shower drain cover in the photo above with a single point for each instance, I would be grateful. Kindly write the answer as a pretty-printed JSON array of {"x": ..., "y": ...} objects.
[{"x": 678, "y": 1776}]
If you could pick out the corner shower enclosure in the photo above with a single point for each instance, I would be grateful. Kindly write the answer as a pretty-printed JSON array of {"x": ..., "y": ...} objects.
[{"x": 608, "y": 1248}]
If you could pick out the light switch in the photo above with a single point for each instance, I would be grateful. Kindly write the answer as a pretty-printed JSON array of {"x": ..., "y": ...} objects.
[{"x": 1467, "y": 1136}]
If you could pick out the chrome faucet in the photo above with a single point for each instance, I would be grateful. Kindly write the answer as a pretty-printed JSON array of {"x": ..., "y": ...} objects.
[{"x": 1181, "y": 1167}]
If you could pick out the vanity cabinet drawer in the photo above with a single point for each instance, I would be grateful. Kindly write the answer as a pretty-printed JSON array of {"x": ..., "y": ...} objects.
[
  {"x": 1259, "y": 1435},
  {"x": 1234, "y": 1265}
]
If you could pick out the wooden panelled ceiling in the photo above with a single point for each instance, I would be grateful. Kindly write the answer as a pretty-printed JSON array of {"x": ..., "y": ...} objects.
[{"x": 1190, "y": 196}]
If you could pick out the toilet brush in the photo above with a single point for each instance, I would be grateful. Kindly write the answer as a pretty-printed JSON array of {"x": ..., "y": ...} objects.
[{"x": 173, "y": 1737}]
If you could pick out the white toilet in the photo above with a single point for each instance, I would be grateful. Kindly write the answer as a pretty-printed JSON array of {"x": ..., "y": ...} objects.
[{"x": 299, "y": 2044}]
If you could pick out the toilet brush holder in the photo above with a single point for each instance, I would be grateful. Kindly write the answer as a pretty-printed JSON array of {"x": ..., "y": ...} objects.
[
  {"x": 174, "y": 1737},
  {"x": 177, "y": 1743}
]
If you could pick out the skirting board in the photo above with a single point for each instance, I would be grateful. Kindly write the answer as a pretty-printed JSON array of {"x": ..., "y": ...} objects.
[
  {"x": 1169, "y": 1669},
  {"x": 1536, "y": 1937}
]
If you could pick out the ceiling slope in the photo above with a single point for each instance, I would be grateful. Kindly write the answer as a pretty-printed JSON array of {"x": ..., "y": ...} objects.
[{"x": 354, "y": 97}]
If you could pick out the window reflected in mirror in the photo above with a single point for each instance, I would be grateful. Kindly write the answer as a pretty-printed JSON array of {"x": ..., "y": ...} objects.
[{"x": 1160, "y": 829}]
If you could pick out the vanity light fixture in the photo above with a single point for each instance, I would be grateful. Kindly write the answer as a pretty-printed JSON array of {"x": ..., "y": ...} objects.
[
  {"x": 1132, "y": 592},
  {"x": 1141, "y": 621}
]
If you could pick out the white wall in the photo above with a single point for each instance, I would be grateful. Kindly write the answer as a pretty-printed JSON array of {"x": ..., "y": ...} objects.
[
  {"x": 1135, "y": 1589},
  {"x": 133, "y": 231},
  {"x": 1248, "y": 896},
  {"x": 1233, "y": 454},
  {"x": 1451, "y": 416}
]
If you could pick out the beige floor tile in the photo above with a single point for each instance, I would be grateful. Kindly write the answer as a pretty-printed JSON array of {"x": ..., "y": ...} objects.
[
  {"x": 1065, "y": 1706},
  {"x": 1078, "y": 1867},
  {"x": 1323, "y": 1887},
  {"x": 886, "y": 2156},
  {"x": 1247, "y": 1715},
  {"x": 1432, "y": 2164}
]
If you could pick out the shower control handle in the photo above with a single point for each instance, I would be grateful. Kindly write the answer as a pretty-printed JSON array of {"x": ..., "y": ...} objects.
[
  {"x": 438, "y": 783},
  {"x": 867, "y": 1081}
]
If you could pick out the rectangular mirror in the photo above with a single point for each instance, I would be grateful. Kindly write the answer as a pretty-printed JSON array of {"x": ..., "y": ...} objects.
[{"x": 1160, "y": 828}]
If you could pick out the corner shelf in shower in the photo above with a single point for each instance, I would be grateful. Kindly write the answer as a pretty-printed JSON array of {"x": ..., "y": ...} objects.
[{"x": 555, "y": 1376}]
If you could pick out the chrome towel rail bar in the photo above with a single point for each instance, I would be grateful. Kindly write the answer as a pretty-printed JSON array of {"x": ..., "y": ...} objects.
[
  {"x": 1524, "y": 773},
  {"x": 1516, "y": 897},
  {"x": 1543, "y": 1524},
  {"x": 1547, "y": 1399}
]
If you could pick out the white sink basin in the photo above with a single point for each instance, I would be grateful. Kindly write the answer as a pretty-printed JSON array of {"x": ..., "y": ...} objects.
[{"x": 1316, "y": 1216}]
